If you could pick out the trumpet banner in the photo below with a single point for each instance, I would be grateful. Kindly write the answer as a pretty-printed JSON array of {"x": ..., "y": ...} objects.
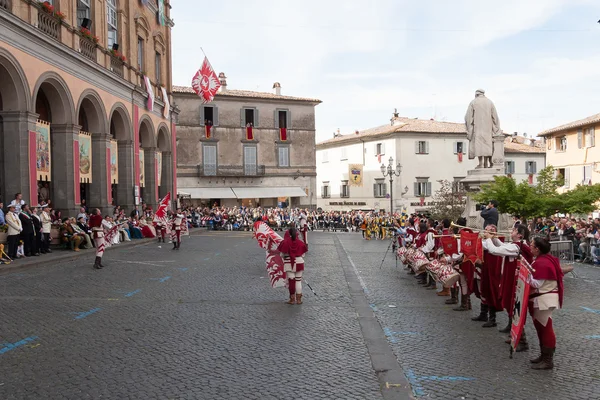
[
  {"x": 520, "y": 303},
  {"x": 269, "y": 241},
  {"x": 471, "y": 246}
]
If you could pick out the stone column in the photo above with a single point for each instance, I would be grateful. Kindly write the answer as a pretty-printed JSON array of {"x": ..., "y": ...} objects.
[
  {"x": 99, "y": 196},
  {"x": 498, "y": 155},
  {"x": 166, "y": 184},
  {"x": 63, "y": 169},
  {"x": 150, "y": 177},
  {"x": 14, "y": 174},
  {"x": 125, "y": 195}
]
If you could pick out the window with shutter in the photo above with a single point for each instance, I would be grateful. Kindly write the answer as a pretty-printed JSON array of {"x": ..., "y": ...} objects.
[
  {"x": 579, "y": 139},
  {"x": 587, "y": 174},
  {"x": 343, "y": 155},
  {"x": 422, "y": 147},
  {"x": 83, "y": 11},
  {"x": 282, "y": 119},
  {"x": 111, "y": 20},
  {"x": 209, "y": 160},
  {"x": 567, "y": 178},
  {"x": 426, "y": 147},
  {"x": 284, "y": 156},
  {"x": 592, "y": 137},
  {"x": 325, "y": 156},
  {"x": 250, "y": 160},
  {"x": 428, "y": 189}
]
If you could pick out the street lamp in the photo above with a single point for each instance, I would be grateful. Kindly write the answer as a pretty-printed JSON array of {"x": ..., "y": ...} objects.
[{"x": 391, "y": 172}]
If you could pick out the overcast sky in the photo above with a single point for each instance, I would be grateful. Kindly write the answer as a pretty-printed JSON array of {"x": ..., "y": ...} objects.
[{"x": 538, "y": 60}]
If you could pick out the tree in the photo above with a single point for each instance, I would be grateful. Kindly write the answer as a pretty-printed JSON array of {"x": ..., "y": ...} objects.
[
  {"x": 448, "y": 201},
  {"x": 541, "y": 200}
]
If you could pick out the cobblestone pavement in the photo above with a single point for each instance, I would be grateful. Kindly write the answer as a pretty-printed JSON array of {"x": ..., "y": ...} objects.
[
  {"x": 198, "y": 323},
  {"x": 447, "y": 356}
]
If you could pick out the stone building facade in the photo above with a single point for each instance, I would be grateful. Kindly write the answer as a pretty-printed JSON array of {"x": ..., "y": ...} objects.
[
  {"x": 84, "y": 102},
  {"x": 246, "y": 148}
]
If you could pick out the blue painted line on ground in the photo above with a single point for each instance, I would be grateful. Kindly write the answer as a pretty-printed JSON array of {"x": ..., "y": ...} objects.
[
  {"x": 183, "y": 269},
  {"x": 444, "y": 378},
  {"x": 217, "y": 254},
  {"x": 132, "y": 293},
  {"x": 166, "y": 278},
  {"x": 84, "y": 314},
  {"x": 11, "y": 346},
  {"x": 414, "y": 383},
  {"x": 591, "y": 310},
  {"x": 373, "y": 307},
  {"x": 389, "y": 334},
  {"x": 207, "y": 258},
  {"x": 593, "y": 337}
]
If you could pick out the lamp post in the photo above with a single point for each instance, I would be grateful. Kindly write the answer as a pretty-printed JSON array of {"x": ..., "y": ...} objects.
[{"x": 391, "y": 172}]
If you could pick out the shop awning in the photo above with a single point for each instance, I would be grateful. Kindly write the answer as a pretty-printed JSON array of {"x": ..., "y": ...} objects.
[
  {"x": 261, "y": 192},
  {"x": 210, "y": 193}
]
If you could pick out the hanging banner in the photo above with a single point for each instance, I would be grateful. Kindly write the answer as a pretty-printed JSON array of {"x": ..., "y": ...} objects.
[
  {"x": 114, "y": 162},
  {"x": 520, "y": 303},
  {"x": 166, "y": 101},
  {"x": 42, "y": 151},
  {"x": 161, "y": 13},
  {"x": 283, "y": 134},
  {"x": 85, "y": 157},
  {"x": 159, "y": 167},
  {"x": 150, "y": 92},
  {"x": 355, "y": 174},
  {"x": 142, "y": 174}
]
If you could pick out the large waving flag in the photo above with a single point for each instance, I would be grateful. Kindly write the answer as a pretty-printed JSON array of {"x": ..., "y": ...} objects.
[
  {"x": 206, "y": 82},
  {"x": 161, "y": 212},
  {"x": 269, "y": 240}
]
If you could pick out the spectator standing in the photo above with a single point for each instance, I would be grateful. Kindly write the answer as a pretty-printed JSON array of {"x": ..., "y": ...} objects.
[
  {"x": 14, "y": 231},
  {"x": 46, "y": 229},
  {"x": 490, "y": 214},
  {"x": 28, "y": 232},
  {"x": 18, "y": 202},
  {"x": 37, "y": 230}
]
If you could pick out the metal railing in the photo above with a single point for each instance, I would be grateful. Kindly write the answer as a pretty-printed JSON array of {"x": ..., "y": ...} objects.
[
  {"x": 88, "y": 48},
  {"x": 49, "y": 24},
  {"x": 230, "y": 170}
]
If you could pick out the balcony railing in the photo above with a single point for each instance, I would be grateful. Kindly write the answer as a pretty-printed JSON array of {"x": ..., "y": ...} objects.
[
  {"x": 231, "y": 171},
  {"x": 116, "y": 66},
  {"x": 88, "y": 48},
  {"x": 49, "y": 24},
  {"x": 5, "y": 4}
]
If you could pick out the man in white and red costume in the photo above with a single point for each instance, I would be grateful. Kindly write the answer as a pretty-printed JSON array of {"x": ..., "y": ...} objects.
[
  {"x": 178, "y": 220},
  {"x": 98, "y": 236}
]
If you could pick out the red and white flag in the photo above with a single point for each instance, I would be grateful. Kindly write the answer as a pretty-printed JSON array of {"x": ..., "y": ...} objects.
[
  {"x": 520, "y": 302},
  {"x": 206, "y": 82},
  {"x": 269, "y": 241},
  {"x": 161, "y": 212}
]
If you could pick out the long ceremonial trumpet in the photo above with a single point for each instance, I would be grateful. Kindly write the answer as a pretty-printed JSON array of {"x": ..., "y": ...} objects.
[
  {"x": 499, "y": 233},
  {"x": 438, "y": 236},
  {"x": 526, "y": 264}
]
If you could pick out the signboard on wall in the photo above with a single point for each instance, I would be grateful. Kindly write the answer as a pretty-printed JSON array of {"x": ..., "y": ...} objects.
[
  {"x": 85, "y": 157},
  {"x": 114, "y": 162},
  {"x": 355, "y": 175},
  {"x": 142, "y": 174}
]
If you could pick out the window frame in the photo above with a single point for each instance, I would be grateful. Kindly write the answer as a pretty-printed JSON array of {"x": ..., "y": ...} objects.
[
  {"x": 140, "y": 53},
  {"x": 457, "y": 144},
  {"x": 87, "y": 8},
  {"x": 344, "y": 189},
  {"x": 287, "y": 156},
  {"x": 243, "y": 119},
  {"x": 343, "y": 154},
  {"x": 325, "y": 157},
  {"x": 158, "y": 67},
  {"x": 325, "y": 192},
  {"x": 379, "y": 188},
  {"x": 421, "y": 149},
  {"x": 111, "y": 12},
  {"x": 560, "y": 141},
  {"x": 509, "y": 167},
  {"x": 206, "y": 147},
  {"x": 247, "y": 171},
  {"x": 380, "y": 149},
  {"x": 530, "y": 167}
]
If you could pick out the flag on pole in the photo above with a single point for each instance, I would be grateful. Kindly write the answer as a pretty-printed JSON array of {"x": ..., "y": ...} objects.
[
  {"x": 206, "y": 82},
  {"x": 269, "y": 241},
  {"x": 161, "y": 212},
  {"x": 520, "y": 303}
]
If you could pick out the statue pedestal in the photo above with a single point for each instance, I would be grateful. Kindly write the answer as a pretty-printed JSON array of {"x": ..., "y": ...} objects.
[{"x": 478, "y": 177}]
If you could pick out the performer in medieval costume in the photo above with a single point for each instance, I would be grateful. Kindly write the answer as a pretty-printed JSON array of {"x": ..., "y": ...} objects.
[
  {"x": 466, "y": 270},
  {"x": 161, "y": 229},
  {"x": 510, "y": 252},
  {"x": 178, "y": 220},
  {"x": 303, "y": 227},
  {"x": 546, "y": 296},
  {"x": 293, "y": 250},
  {"x": 98, "y": 236},
  {"x": 480, "y": 288}
]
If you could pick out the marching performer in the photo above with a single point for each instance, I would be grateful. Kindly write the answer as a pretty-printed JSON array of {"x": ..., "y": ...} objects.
[
  {"x": 98, "y": 236},
  {"x": 545, "y": 297},
  {"x": 161, "y": 230},
  {"x": 510, "y": 252},
  {"x": 466, "y": 269},
  {"x": 293, "y": 263},
  {"x": 303, "y": 227},
  {"x": 480, "y": 287},
  {"x": 178, "y": 220}
]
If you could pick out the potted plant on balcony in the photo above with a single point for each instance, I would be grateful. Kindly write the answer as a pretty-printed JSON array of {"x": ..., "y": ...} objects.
[
  {"x": 60, "y": 15},
  {"x": 86, "y": 33},
  {"x": 47, "y": 7},
  {"x": 118, "y": 54}
]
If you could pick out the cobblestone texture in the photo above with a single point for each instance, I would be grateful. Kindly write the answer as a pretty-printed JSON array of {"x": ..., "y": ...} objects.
[
  {"x": 198, "y": 323},
  {"x": 447, "y": 356}
]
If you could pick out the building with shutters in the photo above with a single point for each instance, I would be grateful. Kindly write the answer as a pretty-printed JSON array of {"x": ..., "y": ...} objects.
[
  {"x": 524, "y": 158},
  {"x": 246, "y": 148},
  {"x": 348, "y": 166},
  {"x": 571, "y": 150},
  {"x": 84, "y": 102}
]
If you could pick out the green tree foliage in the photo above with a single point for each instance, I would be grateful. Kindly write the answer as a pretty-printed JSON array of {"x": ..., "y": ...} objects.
[
  {"x": 541, "y": 200},
  {"x": 449, "y": 201}
]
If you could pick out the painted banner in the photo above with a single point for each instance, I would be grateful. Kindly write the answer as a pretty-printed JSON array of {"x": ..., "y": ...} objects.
[
  {"x": 43, "y": 157},
  {"x": 109, "y": 192},
  {"x": 159, "y": 167},
  {"x": 114, "y": 162},
  {"x": 150, "y": 92},
  {"x": 166, "y": 101},
  {"x": 205, "y": 82},
  {"x": 471, "y": 246},
  {"x": 76, "y": 181},
  {"x": 142, "y": 172},
  {"x": 355, "y": 174},
  {"x": 269, "y": 240},
  {"x": 33, "y": 183},
  {"x": 520, "y": 303},
  {"x": 161, "y": 13},
  {"x": 85, "y": 157}
]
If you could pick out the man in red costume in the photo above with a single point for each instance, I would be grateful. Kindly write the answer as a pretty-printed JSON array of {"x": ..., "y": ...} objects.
[
  {"x": 98, "y": 236},
  {"x": 293, "y": 250}
]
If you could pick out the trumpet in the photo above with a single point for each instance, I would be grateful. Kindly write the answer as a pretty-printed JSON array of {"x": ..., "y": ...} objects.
[
  {"x": 497, "y": 234},
  {"x": 439, "y": 236},
  {"x": 526, "y": 264}
]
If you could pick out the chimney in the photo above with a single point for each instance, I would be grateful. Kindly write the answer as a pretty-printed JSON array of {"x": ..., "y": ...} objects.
[
  {"x": 223, "y": 81},
  {"x": 277, "y": 87},
  {"x": 356, "y": 132}
]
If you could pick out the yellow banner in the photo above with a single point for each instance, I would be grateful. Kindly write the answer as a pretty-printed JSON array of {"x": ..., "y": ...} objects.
[
  {"x": 43, "y": 156},
  {"x": 355, "y": 175},
  {"x": 159, "y": 166},
  {"x": 114, "y": 162},
  {"x": 142, "y": 171},
  {"x": 85, "y": 157}
]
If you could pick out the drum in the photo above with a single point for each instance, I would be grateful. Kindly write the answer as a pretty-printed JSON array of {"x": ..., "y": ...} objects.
[
  {"x": 448, "y": 275},
  {"x": 409, "y": 255},
  {"x": 435, "y": 268},
  {"x": 402, "y": 254},
  {"x": 420, "y": 262}
]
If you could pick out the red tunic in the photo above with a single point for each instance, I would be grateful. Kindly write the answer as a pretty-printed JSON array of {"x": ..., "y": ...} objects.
[
  {"x": 491, "y": 277},
  {"x": 95, "y": 221},
  {"x": 547, "y": 267},
  {"x": 509, "y": 277}
]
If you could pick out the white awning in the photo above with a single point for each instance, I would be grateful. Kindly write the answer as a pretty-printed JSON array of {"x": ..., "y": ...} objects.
[
  {"x": 261, "y": 192},
  {"x": 210, "y": 193}
]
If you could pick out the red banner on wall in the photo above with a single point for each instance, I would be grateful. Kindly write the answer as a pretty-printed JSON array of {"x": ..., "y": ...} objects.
[
  {"x": 174, "y": 158},
  {"x": 156, "y": 179},
  {"x": 76, "y": 167},
  {"x": 283, "y": 134},
  {"x": 136, "y": 145},
  {"x": 520, "y": 303},
  {"x": 208, "y": 129},
  {"x": 249, "y": 133},
  {"x": 33, "y": 187},
  {"x": 108, "y": 177}
]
